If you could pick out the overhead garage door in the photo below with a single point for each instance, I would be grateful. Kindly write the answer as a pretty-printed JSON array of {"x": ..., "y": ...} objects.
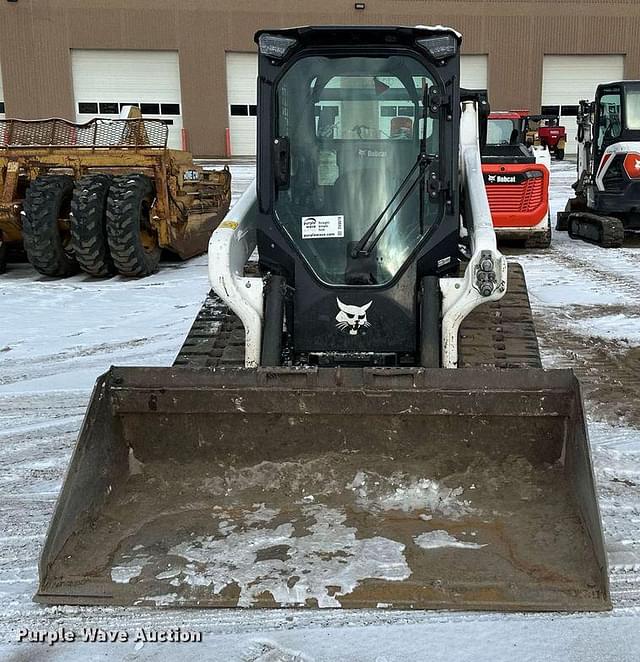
[
  {"x": 473, "y": 72},
  {"x": 568, "y": 78},
  {"x": 242, "y": 75},
  {"x": 105, "y": 81}
]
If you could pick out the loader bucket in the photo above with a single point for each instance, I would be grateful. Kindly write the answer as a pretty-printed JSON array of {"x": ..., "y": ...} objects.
[{"x": 396, "y": 488}]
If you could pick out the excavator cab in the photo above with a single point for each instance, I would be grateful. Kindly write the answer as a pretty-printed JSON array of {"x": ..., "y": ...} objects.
[
  {"x": 616, "y": 112},
  {"x": 358, "y": 417}
]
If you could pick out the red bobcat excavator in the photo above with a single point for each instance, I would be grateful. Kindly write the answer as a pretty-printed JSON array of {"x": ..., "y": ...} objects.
[{"x": 516, "y": 176}]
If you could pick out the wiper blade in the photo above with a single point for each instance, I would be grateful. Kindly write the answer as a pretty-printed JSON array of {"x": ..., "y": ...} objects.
[
  {"x": 359, "y": 249},
  {"x": 422, "y": 162}
]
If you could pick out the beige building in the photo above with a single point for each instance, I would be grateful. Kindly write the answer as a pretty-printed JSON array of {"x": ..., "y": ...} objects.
[{"x": 193, "y": 63}]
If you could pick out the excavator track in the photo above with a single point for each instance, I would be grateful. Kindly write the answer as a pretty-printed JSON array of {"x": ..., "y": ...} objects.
[
  {"x": 501, "y": 334},
  {"x": 604, "y": 231}
]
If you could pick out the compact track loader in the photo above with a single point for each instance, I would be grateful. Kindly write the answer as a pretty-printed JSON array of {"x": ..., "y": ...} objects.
[
  {"x": 516, "y": 176},
  {"x": 106, "y": 196},
  {"x": 606, "y": 207},
  {"x": 359, "y": 418}
]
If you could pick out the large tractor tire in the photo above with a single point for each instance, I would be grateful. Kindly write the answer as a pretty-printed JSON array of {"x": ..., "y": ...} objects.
[
  {"x": 3, "y": 257},
  {"x": 88, "y": 225},
  {"x": 45, "y": 230},
  {"x": 132, "y": 241}
]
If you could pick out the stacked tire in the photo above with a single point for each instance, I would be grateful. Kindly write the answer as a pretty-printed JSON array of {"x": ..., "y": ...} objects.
[
  {"x": 88, "y": 227},
  {"x": 133, "y": 245},
  {"x": 3, "y": 257},
  {"x": 47, "y": 241},
  {"x": 101, "y": 224}
]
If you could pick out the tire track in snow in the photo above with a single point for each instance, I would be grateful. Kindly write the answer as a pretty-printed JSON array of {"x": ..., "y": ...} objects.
[{"x": 612, "y": 268}]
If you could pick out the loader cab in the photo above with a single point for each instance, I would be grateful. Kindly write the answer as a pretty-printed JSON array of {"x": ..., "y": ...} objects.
[
  {"x": 357, "y": 179},
  {"x": 505, "y": 128}
]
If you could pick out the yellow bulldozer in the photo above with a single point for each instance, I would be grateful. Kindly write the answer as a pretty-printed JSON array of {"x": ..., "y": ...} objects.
[
  {"x": 105, "y": 197},
  {"x": 359, "y": 417}
]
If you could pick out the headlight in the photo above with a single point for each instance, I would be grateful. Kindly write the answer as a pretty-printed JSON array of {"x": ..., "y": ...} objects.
[
  {"x": 275, "y": 46},
  {"x": 440, "y": 48}
]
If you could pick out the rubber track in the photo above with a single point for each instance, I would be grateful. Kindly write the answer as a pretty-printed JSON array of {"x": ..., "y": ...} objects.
[
  {"x": 611, "y": 229},
  {"x": 501, "y": 334},
  {"x": 88, "y": 231},
  {"x": 126, "y": 194},
  {"x": 41, "y": 235},
  {"x": 215, "y": 338}
]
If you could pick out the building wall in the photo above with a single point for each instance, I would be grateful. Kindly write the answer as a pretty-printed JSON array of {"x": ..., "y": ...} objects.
[{"x": 36, "y": 37}]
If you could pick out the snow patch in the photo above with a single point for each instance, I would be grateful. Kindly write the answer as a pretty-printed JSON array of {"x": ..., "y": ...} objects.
[
  {"x": 123, "y": 573},
  {"x": 327, "y": 562},
  {"x": 614, "y": 327},
  {"x": 399, "y": 492},
  {"x": 440, "y": 538}
]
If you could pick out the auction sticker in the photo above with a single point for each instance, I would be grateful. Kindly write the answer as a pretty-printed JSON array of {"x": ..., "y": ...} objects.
[{"x": 321, "y": 227}]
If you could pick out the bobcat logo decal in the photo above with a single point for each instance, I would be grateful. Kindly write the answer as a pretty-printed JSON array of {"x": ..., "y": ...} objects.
[{"x": 352, "y": 318}]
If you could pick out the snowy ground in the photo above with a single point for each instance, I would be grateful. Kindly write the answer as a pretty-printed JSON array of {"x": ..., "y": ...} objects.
[{"x": 58, "y": 335}]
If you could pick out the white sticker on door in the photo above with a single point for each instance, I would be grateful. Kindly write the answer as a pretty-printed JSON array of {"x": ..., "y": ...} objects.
[{"x": 321, "y": 227}]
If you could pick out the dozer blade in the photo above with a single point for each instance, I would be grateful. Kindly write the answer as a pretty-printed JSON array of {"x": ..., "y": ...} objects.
[{"x": 397, "y": 488}]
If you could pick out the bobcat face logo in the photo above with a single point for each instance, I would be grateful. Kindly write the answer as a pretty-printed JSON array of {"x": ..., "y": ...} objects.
[{"x": 352, "y": 318}]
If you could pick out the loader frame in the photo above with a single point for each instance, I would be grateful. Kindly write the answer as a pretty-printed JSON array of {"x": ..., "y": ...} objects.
[{"x": 234, "y": 241}]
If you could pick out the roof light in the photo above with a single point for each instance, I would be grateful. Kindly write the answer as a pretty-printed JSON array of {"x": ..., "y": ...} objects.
[
  {"x": 276, "y": 46},
  {"x": 441, "y": 47}
]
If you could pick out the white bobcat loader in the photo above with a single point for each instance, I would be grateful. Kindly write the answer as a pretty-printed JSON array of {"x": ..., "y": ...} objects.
[{"x": 359, "y": 418}]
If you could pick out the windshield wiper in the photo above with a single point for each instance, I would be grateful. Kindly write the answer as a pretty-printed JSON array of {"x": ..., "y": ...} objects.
[{"x": 360, "y": 248}]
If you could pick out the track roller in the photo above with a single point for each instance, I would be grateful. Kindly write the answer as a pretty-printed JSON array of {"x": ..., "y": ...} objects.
[
  {"x": 45, "y": 225},
  {"x": 132, "y": 241},
  {"x": 88, "y": 225}
]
